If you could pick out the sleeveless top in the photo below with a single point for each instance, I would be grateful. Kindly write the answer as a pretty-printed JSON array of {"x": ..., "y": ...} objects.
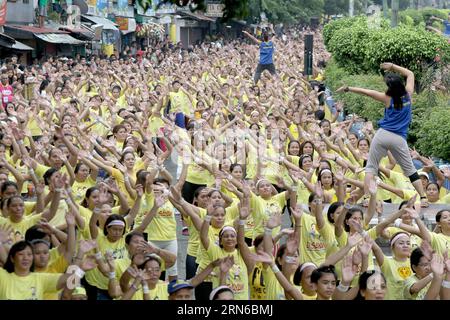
[{"x": 397, "y": 121}]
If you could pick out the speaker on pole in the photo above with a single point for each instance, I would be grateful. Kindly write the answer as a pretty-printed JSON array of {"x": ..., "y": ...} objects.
[{"x": 309, "y": 44}]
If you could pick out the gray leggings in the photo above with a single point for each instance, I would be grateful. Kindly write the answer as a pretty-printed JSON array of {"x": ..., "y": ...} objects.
[
  {"x": 385, "y": 141},
  {"x": 261, "y": 68}
]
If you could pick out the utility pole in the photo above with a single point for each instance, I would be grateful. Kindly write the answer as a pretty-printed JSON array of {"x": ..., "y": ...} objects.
[
  {"x": 351, "y": 7},
  {"x": 385, "y": 8},
  {"x": 394, "y": 20}
]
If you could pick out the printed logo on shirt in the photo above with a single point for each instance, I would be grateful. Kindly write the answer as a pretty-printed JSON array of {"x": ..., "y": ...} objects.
[{"x": 404, "y": 272}]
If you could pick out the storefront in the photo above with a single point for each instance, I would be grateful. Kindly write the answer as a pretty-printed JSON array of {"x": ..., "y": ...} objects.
[{"x": 110, "y": 36}]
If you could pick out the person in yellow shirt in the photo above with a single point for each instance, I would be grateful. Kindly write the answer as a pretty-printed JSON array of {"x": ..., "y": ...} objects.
[
  {"x": 372, "y": 285},
  {"x": 20, "y": 223},
  {"x": 238, "y": 280},
  {"x": 324, "y": 281},
  {"x": 85, "y": 178},
  {"x": 19, "y": 282},
  {"x": 397, "y": 268}
]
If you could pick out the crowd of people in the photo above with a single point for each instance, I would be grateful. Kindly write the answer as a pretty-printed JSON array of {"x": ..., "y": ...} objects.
[{"x": 88, "y": 207}]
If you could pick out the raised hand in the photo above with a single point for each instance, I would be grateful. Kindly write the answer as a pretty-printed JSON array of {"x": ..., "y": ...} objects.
[
  {"x": 349, "y": 270},
  {"x": 274, "y": 221},
  {"x": 366, "y": 246},
  {"x": 342, "y": 89},
  {"x": 139, "y": 190},
  {"x": 88, "y": 263},
  {"x": 263, "y": 257},
  {"x": 226, "y": 264},
  {"x": 427, "y": 250},
  {"x": 5, "y": 233},
  {"x": 292, "y": 244},
  {"x": 437, "y": 265},
  {"x": 354, "y": 239},
  {"x": 297, "y": 213},
  {"x": 87, "y": 245}
]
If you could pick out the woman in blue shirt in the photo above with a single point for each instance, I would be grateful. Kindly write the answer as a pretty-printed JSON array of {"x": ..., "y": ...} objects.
[{"x": 393, "y": 128}]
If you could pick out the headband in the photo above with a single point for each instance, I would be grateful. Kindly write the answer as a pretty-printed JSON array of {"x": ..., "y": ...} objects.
[
  {"x": 259, "y": 181},
  {"x": 116, "y": 223},
  {"x": 227, "y": 228},
  {"x": 397, "y": 237},
  {"x": 214, "y": 292},
  {"x": 306, "y": 265},
  {"x": 325, "y": 170}
]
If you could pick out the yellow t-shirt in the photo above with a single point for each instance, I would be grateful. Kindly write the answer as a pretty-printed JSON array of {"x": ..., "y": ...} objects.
[
  {"x": 79, "y": 188},
  {"x": 408, "y": 283},
  {"x": 440, "y": 243},
  {"x": 95, "y": 277},
  {"x": 163, "y": 226},
  {"x": 180, "y": 103},
  {"x": 31, "y": 287},
  {"x": 314, "y": 243},
  {"x": 21, "y": 227},
  {"x": 396, "y": 272},
  {"x": 267, "y": 208},
  {"x": 158, "y": 293},
  {"x": 237, "y": 276}
]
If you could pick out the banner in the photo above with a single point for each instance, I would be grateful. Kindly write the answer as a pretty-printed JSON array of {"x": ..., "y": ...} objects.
[
  {"x": 122, "y": 22},
  {"x": 3, "y": 8}
]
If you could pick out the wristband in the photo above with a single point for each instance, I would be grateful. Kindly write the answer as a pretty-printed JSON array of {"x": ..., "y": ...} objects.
[
  {"x": 208, "y": 218},
  {"x": 98, "y": 255},
  {"x": 59, "y": 190},
  {"x": 79, "y": 272},
  {"x": 134, "y": 287},
  {"x": 446, "y": 284},
  {"x": 111, "y": 275},
  {"x": 145, "y": 289},
  {"x": 397, "y": 223},
  {"x": 242, "y": 222},
  {"x": 303, "y": 179},
  {"x": 364, "y": 233},
  {"x": 294, "y": 188},
  {"x": 290, "y": 259},
  {"x": 275, "y": 268},
  {"x": 342, "y": 288},
  {"x": 268, "y": 231}
]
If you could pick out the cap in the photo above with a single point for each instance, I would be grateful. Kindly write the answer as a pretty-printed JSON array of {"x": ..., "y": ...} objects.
[
  {"x": 176, "y": 285},
  {"x": 423, "y": 173}
]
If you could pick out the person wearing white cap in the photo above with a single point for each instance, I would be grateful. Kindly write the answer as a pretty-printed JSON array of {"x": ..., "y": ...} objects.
[{"x": 222, "y": 293}]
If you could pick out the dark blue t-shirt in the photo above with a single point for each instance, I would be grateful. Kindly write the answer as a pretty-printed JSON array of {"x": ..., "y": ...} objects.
[
  {"x": 447, "y": 28},
  {"x": 266, "y": 50},
  {"x": 397, "y": 121}
]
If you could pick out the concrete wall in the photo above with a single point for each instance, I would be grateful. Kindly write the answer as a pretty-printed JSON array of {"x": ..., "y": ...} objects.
[{"x": 19, "y": 12}]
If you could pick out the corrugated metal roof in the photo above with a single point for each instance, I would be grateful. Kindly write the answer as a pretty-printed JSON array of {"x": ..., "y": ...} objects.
[
  {"x": 21, "y": 46},
  {"x": 35, "y": 30},
  {"x": 59, "y": 38},
  {"x": 107, "y": 24}
]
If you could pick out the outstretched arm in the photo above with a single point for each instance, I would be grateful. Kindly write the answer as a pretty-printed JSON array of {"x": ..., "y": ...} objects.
[
  {"x": 251, "y": 37},
  {"x": 379, "y": 96}
]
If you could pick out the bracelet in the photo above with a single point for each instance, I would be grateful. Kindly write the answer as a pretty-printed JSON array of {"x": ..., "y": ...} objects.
[
  {"x": 208, "y": 218},
  {"x": 397, "y": 223},
  {"x": 112, "y": 275},
  {"x": 59, "y": 190},
  {"x": 267, "y": 231},
  {"x": 342, "y": 288},
  {"x": 98, "y": 255},
  {"x": 145, "y": 289},
  {"x": 242, "y": 222},
  {"x": 290, "y": 259},
  {"x": 275, "y": 268},
  {"x": 446, "y": 284},
  {"x": 134, "y": 287},
  {"x": 79, "y": 272}
]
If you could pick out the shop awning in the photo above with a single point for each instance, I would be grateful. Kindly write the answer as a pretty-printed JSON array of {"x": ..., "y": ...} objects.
[
  {"x": 107, "y": 24},
  {"x": 80, "y": 34},
  {"x": 59, "y": 38},
  {"x": 196, "y": 16},
  {"x": 8, "y": 42},
  {"x": 20, "y": 46}
]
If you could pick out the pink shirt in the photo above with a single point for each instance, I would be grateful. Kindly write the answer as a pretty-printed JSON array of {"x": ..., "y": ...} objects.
[{"x": 7, "y": 94}]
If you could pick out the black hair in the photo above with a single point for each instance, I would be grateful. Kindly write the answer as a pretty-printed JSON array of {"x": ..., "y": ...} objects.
[
  {"x": 132, "y": 234},
  {"x": 415, "y": 257},
  {"x": 319, "y": 115},
  {"x": 297, "y": 280},
  {"x": 34, "y": 233},
  {"x": 258, "y": 240},
  {"x": 111, "y": 218},
  {"x": 349, "y": 214},
  {"x": 319, "y": 272},
  {"x": 439, "y": 214},
  {"x": 294, "y": 141},
  {"x": 302, "y": 146},
  {"x": 235, "y": 165},
  {"x": 17, "y": 247},
  {"x": 396, "y": 89},
  {"x": 161, "y": 180},
  {"x": 332, "y": 209},
  {"x": 362, "y": 281},
  {"x": 197, "y": 192},
  {"x": 122, "y": 158},
  {"x": 48, "y": 175},
  {"x": 78, "y": 166},
  {"x": 302, "y": 157},
  {"x": 7, "y": 184},
  {"x": 10, "y": 199},
  {"x": 88, "y": 193}
]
